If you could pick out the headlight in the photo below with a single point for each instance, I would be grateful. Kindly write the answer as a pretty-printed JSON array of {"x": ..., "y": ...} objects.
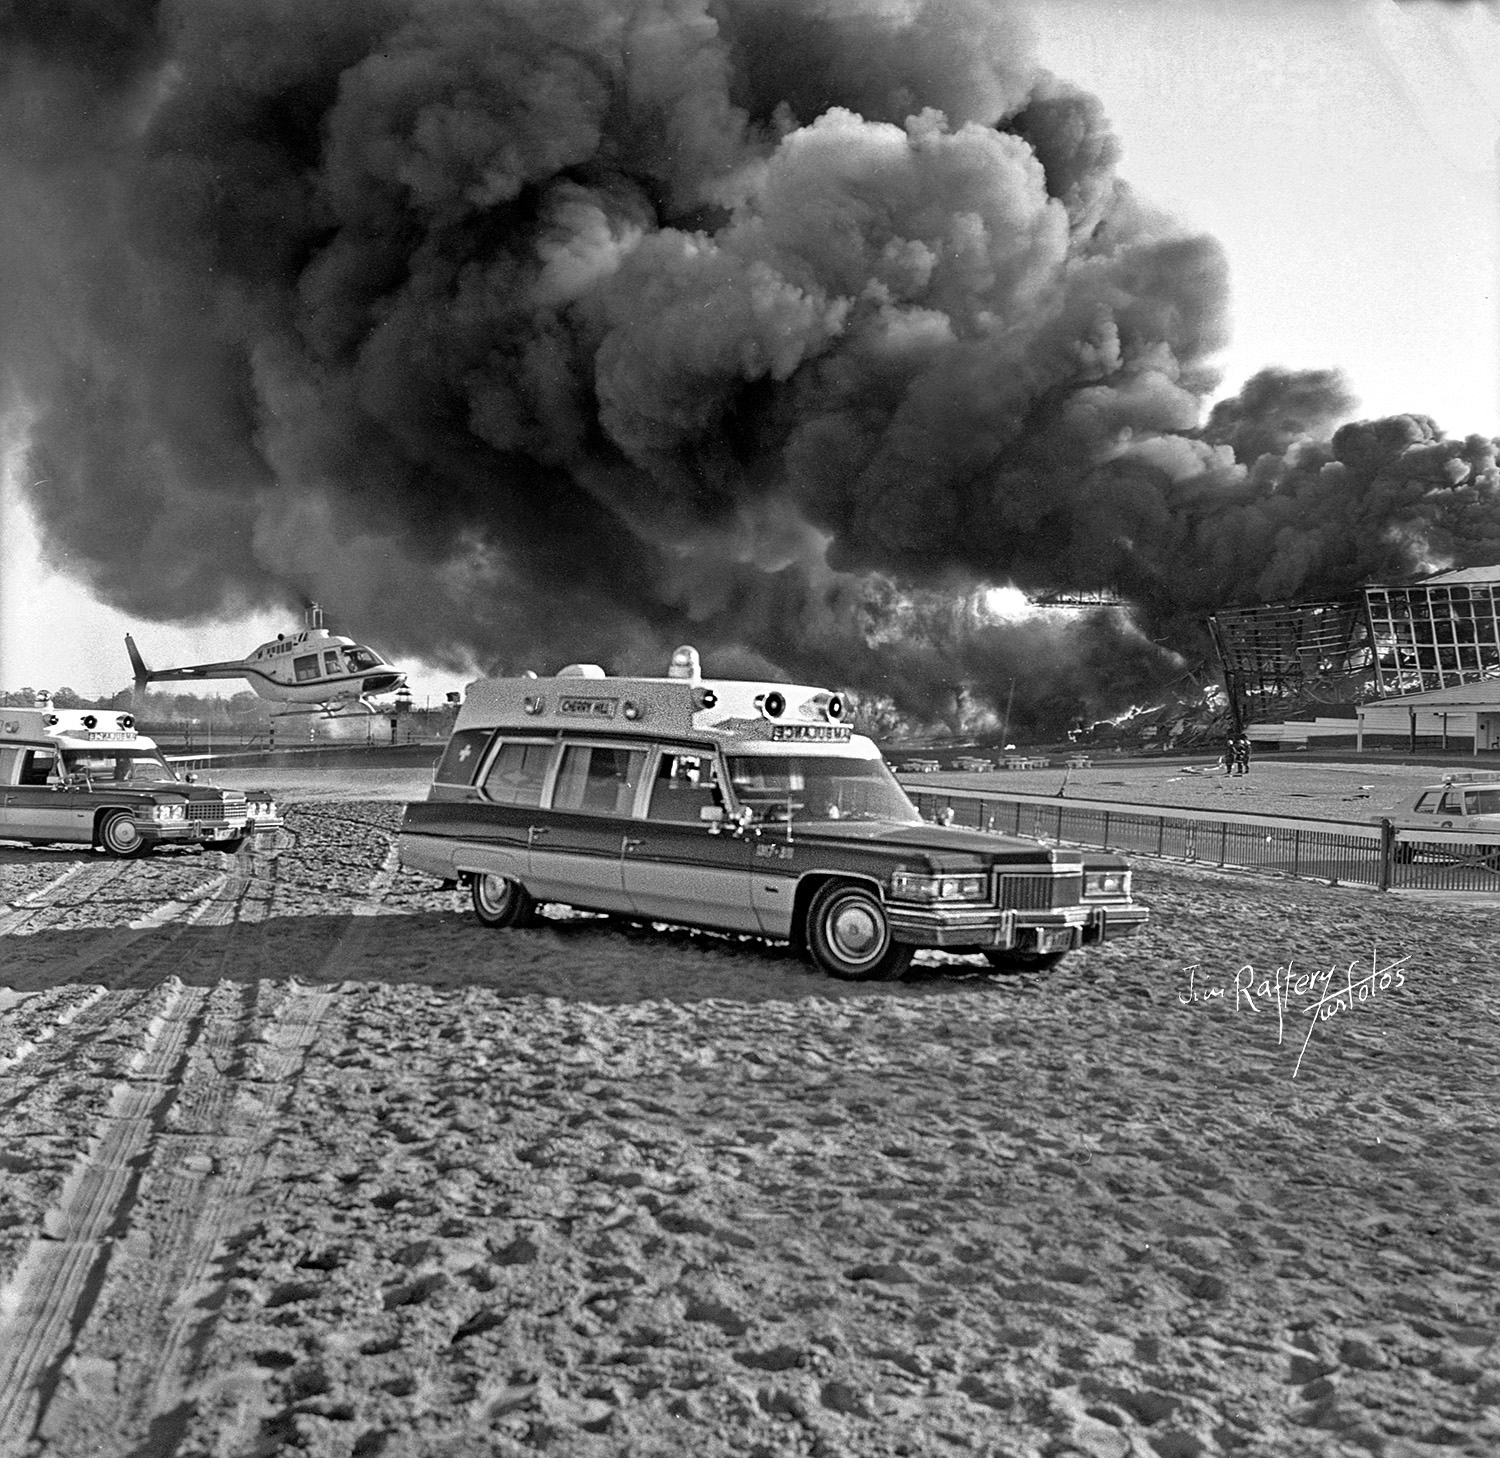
[
  {"x": 169, "y": 812},
  {"x": 1106, "y": 883},
  {"x": 918, "y": 886}
]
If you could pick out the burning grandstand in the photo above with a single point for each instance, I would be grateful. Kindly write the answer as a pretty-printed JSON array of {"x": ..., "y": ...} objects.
[{"x": 1411, "y": 662}]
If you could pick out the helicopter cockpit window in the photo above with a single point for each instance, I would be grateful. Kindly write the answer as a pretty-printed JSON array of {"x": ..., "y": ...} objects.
[
  {"x": 361, "y": 660},
  {"x": 305, "y": 668}
]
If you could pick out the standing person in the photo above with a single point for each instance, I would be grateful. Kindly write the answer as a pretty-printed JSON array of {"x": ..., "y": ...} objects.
[
  {"x": 1227, "y": 759},
  {"x": 1242, "y": 755}
]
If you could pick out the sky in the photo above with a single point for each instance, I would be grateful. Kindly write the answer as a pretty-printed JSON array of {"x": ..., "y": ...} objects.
[{"x": 1344, "y": 152}]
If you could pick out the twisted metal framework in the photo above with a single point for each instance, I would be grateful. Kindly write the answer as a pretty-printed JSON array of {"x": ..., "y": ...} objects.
[{"x": 1282, "y": 658}]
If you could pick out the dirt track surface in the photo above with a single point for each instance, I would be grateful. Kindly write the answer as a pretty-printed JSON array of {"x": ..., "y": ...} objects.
[
  {"x": 297, "y": 1158},
  {"x": 1323, "y": 790}
]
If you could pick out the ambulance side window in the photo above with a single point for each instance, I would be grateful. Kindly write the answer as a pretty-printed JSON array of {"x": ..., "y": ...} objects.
[
  {"x": 518, "y": 773},
  {"x": 1428, "y": 804},
  {"x": 599, "y": 779},
  {"x": 8, "y": 760},
  {"x": 461, "y": 758},
  {"x": 685, "y": 782},
  {"x": 37, "y": 766},
  {"x": 1449, "y": 804}
]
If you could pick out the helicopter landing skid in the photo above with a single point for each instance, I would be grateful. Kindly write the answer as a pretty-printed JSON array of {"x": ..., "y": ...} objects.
[{"x": 340, "y": 709}]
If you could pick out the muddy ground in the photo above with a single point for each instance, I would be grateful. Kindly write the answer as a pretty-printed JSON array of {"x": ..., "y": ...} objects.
[{"x": 295, "y": 1158}]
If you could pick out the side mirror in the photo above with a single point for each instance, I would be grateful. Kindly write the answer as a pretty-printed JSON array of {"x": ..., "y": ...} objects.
[{"x": 191, "y": 777}]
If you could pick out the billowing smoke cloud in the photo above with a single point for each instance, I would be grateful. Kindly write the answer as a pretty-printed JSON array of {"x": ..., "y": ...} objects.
[{"x": 521, "y": 331}]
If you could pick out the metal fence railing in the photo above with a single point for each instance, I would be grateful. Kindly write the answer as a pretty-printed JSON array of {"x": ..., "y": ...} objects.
[{"x": 1344, "y": 852}]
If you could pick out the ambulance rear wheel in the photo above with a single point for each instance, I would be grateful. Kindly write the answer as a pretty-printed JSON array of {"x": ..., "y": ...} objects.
[
  {"x": 849, "y": 935},
  {"x": 117, "y": 834},
  {"x": 501, "y": 901}
]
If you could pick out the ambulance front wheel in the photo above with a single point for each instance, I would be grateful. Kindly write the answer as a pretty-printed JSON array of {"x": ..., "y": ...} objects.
[
  {"x": 849, "y": 935},
  {"x": 501, "y": 901},
  {"x": 119, "y": 835}
]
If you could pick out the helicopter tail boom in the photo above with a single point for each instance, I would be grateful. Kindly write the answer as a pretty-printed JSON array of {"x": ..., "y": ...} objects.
[{"x": 145, "y": 675}]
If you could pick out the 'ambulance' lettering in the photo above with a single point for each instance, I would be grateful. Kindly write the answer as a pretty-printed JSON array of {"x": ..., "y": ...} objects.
[{"x": 825, "y": 732}]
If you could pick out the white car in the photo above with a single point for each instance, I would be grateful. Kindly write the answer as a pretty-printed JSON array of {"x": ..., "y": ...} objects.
[{"x": 1467, "y": 804}]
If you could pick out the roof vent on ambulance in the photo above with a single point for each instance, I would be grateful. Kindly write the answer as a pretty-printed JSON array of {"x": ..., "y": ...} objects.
[{"x": 686, "y": 664}]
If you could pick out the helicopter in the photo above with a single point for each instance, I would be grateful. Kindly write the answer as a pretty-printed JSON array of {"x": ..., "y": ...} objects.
[{"x": 310, "y": 672}]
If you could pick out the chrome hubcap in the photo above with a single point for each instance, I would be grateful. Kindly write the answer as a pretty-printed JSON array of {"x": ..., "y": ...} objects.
[{"x": 855, "y": 931}]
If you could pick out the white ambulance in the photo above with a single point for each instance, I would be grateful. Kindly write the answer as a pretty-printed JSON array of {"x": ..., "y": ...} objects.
[
  {"x": 741, "y": 806},
  {"x": 86, "y": 777}
]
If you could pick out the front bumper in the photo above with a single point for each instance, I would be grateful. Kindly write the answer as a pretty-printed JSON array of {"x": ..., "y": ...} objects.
[
  {"x": 195, "y": 832},
  {"x": 987, "y": 929}
]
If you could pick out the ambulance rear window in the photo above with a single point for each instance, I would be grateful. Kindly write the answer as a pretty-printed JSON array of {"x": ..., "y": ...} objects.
[{"x": 461, "y": 759}]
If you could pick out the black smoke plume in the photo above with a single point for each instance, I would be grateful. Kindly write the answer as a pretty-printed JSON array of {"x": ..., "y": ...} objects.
[{"x": 521, "y": 331}]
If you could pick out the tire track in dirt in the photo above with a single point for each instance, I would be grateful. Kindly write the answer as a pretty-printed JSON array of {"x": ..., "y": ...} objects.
[
  {"x": 101, "y": 1324},
  {"x": 49, "y": 1297},
  {"x": 240, "y": 894},
  {"x": 354, "y": 938},
  {"x": 41, "y": 908},
  {"x": 39, "y": 1021},
  {"x": 127, "y": 1376}
]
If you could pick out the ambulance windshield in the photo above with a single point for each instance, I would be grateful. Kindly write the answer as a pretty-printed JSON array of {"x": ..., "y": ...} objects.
[
  {"x": 819, "y": 787},
  {"x": 119, "y": 766}
]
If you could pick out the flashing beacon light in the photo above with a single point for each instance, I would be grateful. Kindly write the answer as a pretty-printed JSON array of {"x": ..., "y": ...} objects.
[{"x": 686, "y": 664}]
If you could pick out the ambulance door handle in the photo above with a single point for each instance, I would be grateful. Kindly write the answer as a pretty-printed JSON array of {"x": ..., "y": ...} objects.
[
  {"x": 629, "y": 845},
  {"x": 532, "y": 831}
]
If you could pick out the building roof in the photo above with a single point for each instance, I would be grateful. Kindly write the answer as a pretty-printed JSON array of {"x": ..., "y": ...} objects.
[
  {"x": 1483, "y": 695},
  {"x": 1462, "y": 575}
]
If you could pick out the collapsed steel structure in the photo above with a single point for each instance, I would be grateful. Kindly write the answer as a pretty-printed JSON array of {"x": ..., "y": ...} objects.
[{"x": 1280, "y": 660}]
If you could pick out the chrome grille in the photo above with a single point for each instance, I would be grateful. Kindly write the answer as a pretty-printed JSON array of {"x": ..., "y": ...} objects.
[
  {"x": 232, "y": 807},
  {"x": 1039, "y": 892}
]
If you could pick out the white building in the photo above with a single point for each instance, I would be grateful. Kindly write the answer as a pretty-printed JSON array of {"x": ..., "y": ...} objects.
[{"x": 1465, "y": 711}]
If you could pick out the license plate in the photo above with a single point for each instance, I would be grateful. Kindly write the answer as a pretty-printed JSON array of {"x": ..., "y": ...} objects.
[{"x": 1055, "y": 941}]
